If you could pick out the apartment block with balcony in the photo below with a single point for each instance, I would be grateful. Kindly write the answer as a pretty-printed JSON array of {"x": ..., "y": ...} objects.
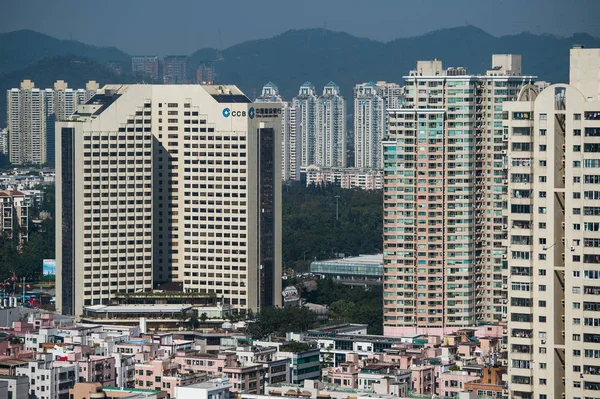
[
  {"x": 14, "y": 216},
  {"x": 553, "y": 239},
  {"x": 444, "y": 193}
]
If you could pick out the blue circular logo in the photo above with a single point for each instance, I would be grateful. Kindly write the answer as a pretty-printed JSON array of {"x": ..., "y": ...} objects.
[
  {"x": 251, "y": 113},
  {"x": 226, "y": 112}
]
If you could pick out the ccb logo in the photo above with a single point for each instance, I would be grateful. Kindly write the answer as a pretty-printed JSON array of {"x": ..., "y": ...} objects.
[{"x": 238, "y": 114}]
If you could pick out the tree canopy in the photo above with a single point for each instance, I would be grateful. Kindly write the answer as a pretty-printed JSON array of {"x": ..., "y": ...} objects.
[
  {"x": 350, "y": 304},
  {"x": 310, "y": 228}
]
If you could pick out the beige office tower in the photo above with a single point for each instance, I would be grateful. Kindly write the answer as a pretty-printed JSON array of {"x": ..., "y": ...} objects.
[
  {"x": 444, "y": 191},
  {"x": 161, "y": 183},
  {"x": 554, "y": 236}
]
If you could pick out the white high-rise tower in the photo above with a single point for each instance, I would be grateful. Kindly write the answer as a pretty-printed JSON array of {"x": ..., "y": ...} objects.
[
  {"x": 371, "y": 100},
  {"x": 290, "y": 142},
  {"x": 330, "y": 148}
]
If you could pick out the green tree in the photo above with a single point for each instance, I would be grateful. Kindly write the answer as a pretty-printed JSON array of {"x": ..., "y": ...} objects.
[
  {"x": 342, "y": 310},
  {"x": 203, "y": 317}
]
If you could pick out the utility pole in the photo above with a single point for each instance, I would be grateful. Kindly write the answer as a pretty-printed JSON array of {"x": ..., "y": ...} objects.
[{"x": 337, "y": 213}]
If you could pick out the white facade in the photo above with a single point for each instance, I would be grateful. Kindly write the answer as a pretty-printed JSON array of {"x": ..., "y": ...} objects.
[
  {"x": 290, "y": 129},
  {"x": 174, "y": 183},
  {"x": 305, "y": 102},
  {"x": 371, "y": 100},
  {"x": 4, "y": 141},
  {"x": 32, "y": 114},
  {"x": 553, "y": 223},
  {"x": 367, "y": 179},
  {"x": 47, "y": 381},
  {"x": 330, "y": 115},
  {"x": 213, "y": 389}
]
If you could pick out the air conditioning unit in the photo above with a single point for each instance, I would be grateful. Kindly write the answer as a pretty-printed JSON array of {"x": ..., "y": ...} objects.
[
  {"x": 572, "y": 248},
  {"x": 544, "y": 248},
  {"x": 505, "y": 227},
  {"x": 543, "y": 342}
]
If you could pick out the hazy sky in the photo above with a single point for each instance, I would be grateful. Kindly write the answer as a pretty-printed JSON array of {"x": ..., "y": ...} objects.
[{"x": 182, "y": 26}]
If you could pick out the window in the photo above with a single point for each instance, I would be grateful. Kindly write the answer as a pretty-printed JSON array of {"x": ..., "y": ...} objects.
[
  {"x": 542, "y": 210},
  {"x": 576, "y": 305},
  {"x": 542, "y": 381},
  {"x": 542, "y": 272},
  {"x": 542, "y": 288},
  {"x": 577, "y": 148},
  {"x": 542, "y": 179},
  {"x": 542, "y": 163},
  {"x": 542, "y": 319},
  {"x": 542, "y": 304},
  {"x": 542, "y": 132},
  {"x": 577, "y": 117},
  {"x": 543, "y": 366},
  {"x": 576, "y": 352},
  {"x": 542, "y": 147}
]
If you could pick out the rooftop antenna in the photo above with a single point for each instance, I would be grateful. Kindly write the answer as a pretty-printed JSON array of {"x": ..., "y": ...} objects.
[{"x": 219, "y": 53}]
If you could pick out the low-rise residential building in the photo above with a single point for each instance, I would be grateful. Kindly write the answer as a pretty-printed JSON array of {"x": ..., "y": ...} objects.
[
  {"x": 213, "y": 389},
  {"x": 14, "y": 216},
  {"x": 17, "y": 387},
  {"x": 47, "y": 381},
  {"x": 367, "y": 179}
]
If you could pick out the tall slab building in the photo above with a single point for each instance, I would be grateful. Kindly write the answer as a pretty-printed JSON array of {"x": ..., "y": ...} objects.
[
  {"x": 371, "y": 102},
  {"x": 330, "y": 116},
  {"x": 306, "y": 102},
  {"x": 31, "y": 115},
  {"x": 161, "y": 183},
  {"x": 553, "y": 222},
  {"x": 291, "y": 144},
  {"x": 444, "y": 193}
]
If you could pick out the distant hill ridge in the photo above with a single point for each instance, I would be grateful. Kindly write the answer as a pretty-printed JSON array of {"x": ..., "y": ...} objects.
[{"x": 296, "y": 56}]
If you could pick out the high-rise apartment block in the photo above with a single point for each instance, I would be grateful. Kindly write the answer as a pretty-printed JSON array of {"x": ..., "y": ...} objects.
[
  {"x": 145, "y": 65},
  {"x": 290, "y": 141},
  {"x": 175, "y": 69},
  {"x": 305, "y": 102},
  {"x": 14, "y": 216},
  {"x": 4, "y": 141},
  {"x": 553, "y": 223},
  {"x": 444, "y": 193},
  {"x": 161, "y": 183},
  {"x": 26, "y": 124},
  {"x": 32, "y": 114},
  {"x": 330, "y": 115},
  {"x": 322, "y": 126},
  {"x": 371, "y": 100}
]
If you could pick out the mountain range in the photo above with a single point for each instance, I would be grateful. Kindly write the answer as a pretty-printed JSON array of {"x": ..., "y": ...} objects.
[{"x": 291, "y": 58}]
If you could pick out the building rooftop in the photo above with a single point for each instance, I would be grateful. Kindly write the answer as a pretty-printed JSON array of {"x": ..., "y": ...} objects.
[
  {"x": 137, "y": 308},
  {"x": 367, "y": 259}
]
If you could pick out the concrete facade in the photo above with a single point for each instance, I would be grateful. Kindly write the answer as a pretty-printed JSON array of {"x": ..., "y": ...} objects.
[
  {"x": 173, "y": 183},
  {"x": 554, "y": 236},
  {"x": 444, "y": 190}
]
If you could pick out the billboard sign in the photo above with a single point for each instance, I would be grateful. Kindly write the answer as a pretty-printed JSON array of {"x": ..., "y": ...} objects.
[
  {"x": 49, "y": 267},
  {"x": 290, "y": 294}
]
